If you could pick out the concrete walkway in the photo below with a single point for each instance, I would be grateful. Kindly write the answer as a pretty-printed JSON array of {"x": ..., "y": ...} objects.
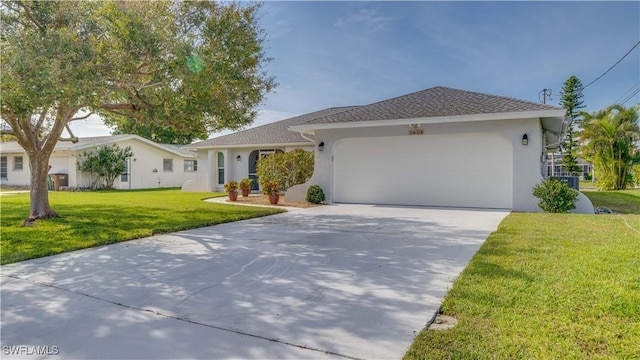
[{"x": 338, "y": 281}]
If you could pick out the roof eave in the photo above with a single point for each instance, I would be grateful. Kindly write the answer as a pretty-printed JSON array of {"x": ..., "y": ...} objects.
[
  {"x": 310, "y": 128},
  {"x": 237, "y": 146},
  {"x": 129, "y": 137}
]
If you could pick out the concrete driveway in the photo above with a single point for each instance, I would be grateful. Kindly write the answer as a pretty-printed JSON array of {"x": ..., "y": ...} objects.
[{"x": 338, "y": 281}]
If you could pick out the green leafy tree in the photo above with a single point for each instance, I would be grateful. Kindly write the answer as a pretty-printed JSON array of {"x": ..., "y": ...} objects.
[
  {"x": 194, "y": 67},
  {"x": 570, "y": 99},
  {"x": 104, "y": 165},
  {"x": 161, "y": 133},
  {"x": 286, "y": 169},
  {"x": 611, "y": 139}
]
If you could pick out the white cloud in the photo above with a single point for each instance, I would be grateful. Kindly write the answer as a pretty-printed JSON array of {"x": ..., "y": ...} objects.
[{"x": 367, "y": 17}]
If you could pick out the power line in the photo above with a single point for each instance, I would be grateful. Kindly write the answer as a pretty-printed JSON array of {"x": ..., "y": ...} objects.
[
  {"x": 614, "y": 65},
  {"x": 624, "y": 96},
  {"x": 630, "y": 96}
]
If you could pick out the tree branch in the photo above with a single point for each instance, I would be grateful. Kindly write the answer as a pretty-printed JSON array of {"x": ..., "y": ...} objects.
[
  {"x": 31, "y": 17},
  {"x": 82, "y": 117},
  {"x": 72, "y": 138}
]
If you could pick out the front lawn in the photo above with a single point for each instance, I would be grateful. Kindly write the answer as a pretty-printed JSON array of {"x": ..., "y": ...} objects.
[
  {"x": 90, "y": 219},
  {"x": 547, "y": 286}
]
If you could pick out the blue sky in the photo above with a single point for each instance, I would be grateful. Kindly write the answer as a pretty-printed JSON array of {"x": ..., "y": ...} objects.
[{"x": 354, "y": 53}]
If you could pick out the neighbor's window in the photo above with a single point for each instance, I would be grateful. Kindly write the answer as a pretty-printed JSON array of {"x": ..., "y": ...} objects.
[
  {"x": 190, "y": 165},
  {"x": 220, "y": 168},
  {"x": 3, "y": 167},
  {"x": 18, "y": 163},
  {"x": 124, "y": 177},
  {"x": 167, "y": 165}
]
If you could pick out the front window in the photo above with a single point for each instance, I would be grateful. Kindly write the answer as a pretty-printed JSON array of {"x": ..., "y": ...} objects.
[
  {"x": 3, "y": 167},
  {"x": 167, "y": 165},
  {"x": 124, "y": 177},
  {"x": 190, "y": 165},
  {"x": 220, "y": 168},
  {"x": 18, "y": 163}
]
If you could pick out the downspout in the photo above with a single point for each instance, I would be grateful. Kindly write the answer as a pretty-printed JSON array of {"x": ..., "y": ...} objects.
[{"x": 306, "y": 138}]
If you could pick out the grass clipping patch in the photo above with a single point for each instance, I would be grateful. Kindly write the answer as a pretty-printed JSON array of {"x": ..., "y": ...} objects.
[{"x": 546, "y": 286}]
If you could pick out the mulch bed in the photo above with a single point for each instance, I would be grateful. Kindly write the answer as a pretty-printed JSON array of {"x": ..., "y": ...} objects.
[{"x": 264, "y": 200}]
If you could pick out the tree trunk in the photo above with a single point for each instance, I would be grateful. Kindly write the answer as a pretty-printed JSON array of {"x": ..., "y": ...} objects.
[{"x": 40, "y": 209}]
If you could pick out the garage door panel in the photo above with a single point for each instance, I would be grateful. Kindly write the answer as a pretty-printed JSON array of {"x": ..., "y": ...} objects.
[{"x": 472, "y": 170}]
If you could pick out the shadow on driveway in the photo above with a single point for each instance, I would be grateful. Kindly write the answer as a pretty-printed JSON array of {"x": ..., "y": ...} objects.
[{"x": 354, "y": 281}]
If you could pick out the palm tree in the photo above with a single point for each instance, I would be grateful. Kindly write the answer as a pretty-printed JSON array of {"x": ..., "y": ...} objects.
[{"x": 611, "y": 137}]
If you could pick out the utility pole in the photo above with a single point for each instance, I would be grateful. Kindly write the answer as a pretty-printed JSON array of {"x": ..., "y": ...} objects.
[{"x": 546, "y": 93}]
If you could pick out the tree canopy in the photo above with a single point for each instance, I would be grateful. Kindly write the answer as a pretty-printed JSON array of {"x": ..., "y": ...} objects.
[
  {"x": 196, "y": 67},
  {"x": 611, "y": 138}
]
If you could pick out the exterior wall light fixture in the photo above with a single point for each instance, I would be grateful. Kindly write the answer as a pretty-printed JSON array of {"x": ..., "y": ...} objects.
[
  {"x": 525, "y": 140},
  {"x": 238, "y": 158},
  {"x": 321, "y": 146}
]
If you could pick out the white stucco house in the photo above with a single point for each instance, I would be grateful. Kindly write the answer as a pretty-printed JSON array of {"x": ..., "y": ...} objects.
[
  {"x": 435, "y": 147},
  {"x": 153, "y": 165}
]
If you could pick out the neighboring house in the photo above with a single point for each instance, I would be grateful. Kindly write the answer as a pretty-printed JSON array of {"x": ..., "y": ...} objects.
[
  {"x": 555, "y": 168},
  {"x": 436, "y": 147},
  {"x": 153, "y": 165},
  {"x": 234, "y": 156}
]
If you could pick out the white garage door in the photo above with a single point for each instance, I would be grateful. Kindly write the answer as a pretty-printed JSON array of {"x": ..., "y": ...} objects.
[{"x": 470, "y": 170}]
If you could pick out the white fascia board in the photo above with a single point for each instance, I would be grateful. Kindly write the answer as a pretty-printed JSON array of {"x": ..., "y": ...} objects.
[
  {"x": 310, "y": 128},
  {"x": 249, "y": 146}
]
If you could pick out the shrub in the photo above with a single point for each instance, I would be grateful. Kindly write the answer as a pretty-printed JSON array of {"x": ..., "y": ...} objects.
[
  {"x": 231, "y": 186},
  {"x": 104, "y": 165},
  {"x": 245, "y": 184},
  {"x": 286, "y": 169},
  {"x": 270, "y": 187},
  {"x": 315, "y": 195},
  {"x": 555, "y": 196}
]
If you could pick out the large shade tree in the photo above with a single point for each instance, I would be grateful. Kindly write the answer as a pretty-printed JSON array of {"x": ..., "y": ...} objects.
[
  {"x": 611, "y": 138},
  {"x": 165, "y": 64}
]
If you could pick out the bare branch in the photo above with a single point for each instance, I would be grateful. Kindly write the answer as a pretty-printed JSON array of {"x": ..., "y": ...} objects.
[
  {"x": 82, "y": 117},
  {"x": 72, "y": 137},
  {"x": 31, "y": 17}
]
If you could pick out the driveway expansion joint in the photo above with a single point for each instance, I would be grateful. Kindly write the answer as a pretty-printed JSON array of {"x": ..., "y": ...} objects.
[{"x": 187, "y": 320}]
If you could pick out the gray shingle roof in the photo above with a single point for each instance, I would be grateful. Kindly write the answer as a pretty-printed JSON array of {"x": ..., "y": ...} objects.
[
  {"x": 433, "y": 102},
  {"x": 273, "y": 133}
]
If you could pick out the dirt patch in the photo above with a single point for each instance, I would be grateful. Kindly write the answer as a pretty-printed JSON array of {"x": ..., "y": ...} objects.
[{"x": 264, "y": 200}]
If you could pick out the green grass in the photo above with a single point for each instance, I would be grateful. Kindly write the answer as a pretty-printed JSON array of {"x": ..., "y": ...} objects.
[
  {"x": 90, "y": 219},
  {"x": 547, "y": 286},
  {"x": 622, "y": 201}
]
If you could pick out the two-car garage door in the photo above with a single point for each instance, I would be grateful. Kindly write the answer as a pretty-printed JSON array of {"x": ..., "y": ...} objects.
[{"x": 462, "y": 170}]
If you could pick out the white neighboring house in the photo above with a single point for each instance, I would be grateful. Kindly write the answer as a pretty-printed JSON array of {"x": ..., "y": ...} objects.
[
  {"x": 234, "y": 156},
  {"x": 153, "y": 165},
  {"x": 436, "y": 147}
]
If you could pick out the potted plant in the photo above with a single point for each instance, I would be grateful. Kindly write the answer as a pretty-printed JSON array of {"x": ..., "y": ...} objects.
[
  {"x": 245, "y": 186},
  {"x": 273, "y": 190},
  {"x": 232, "y": 188}
]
